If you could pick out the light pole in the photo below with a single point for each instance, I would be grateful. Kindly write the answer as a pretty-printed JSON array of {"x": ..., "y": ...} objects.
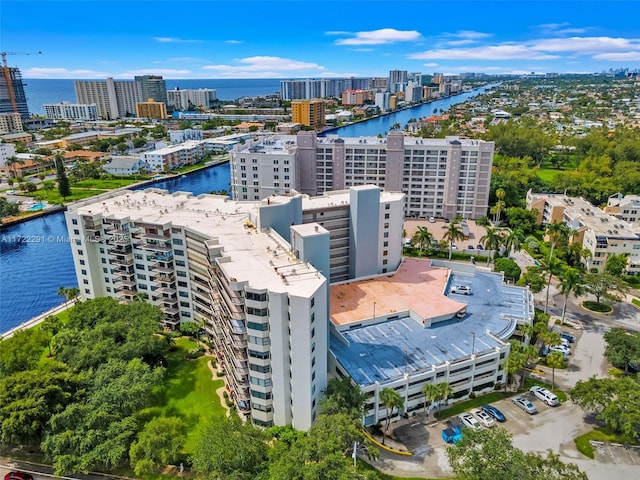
[
  {"x": 374, "y": 310},
  {"x": 473, "y": 343}
]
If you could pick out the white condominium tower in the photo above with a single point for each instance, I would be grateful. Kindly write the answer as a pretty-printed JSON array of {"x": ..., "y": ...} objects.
[
  {"x": 440, "y": 177},
  {"x": 255, "y": 273}
]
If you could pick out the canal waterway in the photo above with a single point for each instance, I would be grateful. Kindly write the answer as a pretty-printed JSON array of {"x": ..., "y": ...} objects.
[
  {"x": 35, "y": 256},
  {"x": 382, "y": 124}
]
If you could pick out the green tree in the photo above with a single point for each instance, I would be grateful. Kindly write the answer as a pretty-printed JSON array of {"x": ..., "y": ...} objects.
[
  {"x": 446, "y": 390},
  {"x": 570, "y": 282},
  {"x": 451, "y": 234},
  {"x": 616, "y": 264},
  {"x": 534, "y": 278},
  {"x": 556, "y": 232},
  {"x": 158, "y": 444},
  {"x": 622, "y": 348},
  {"x": 96, "y": 431},
  {"x": 51, "y": 325},
  {"x": 231, "y": 449},
  {"x": 555, "y": 360},
  {"x": 346, "y": 394},
  {"x": 29, "y": 398},
  {"x": 552, "y": 267},
  {"x": 522, "y": 219},
  {"x": 605, "y": 286},
  {"x": 491, "y": 239},
  {"x": 63, "y": 182},
  {"x": 489, "y": 454},
  {"x": 391, "y": 401},
  {"x": 431, "y": 393},
  {"x": 8, "y": 209},
  {"x": 509, "y": 267},
  {"x": 22, "y": 351},
  {"x": 423, "y": 238},
  {"x": 615, "y": 400}
]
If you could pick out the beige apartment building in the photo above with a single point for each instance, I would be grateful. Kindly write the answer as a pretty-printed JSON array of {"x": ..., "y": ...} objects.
[{"x": 601, "y": 233}]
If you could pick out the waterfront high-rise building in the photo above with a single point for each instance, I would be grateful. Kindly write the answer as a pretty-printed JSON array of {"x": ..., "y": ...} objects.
[
  {"x": 308, "y": 112},
  {"x": 152, "y": 86},
  {"x": 440, "y": 177},
  {"x": 183, "y": 100},
  {"x": 255, "y": 274},
  {"x": 12, "y": 96},
  {"x": 71, "y": 111},
  {"x": 113, "y": 98}
]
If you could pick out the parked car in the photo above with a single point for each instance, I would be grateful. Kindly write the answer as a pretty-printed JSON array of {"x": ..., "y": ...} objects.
[
  {"x": 432, "y": 219},
  {"x": 469, "y": 421},
  {"x": 479, "y": 247},
  {"x": 561, "y": 348},
  {"x": 568, "y": 336},
  {"x": 470, "y": 247},
  {"x": 545, "y": 395},
  {"x": 494, "y": 412},
  {"x": 461, "y": 289},
  {"x": 524, "y": 404},
  {"x": 483, "y": 417},
  {"x": 18, "y": 476},
  {"x": 451, "y": 435}
]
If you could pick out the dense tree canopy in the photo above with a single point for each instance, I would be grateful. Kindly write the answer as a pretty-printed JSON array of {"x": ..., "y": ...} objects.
[{"x": 489, "y": 454}]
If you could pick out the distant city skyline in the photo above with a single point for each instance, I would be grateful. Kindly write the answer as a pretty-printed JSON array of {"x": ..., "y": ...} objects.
[{"x": 311, "y": 39}]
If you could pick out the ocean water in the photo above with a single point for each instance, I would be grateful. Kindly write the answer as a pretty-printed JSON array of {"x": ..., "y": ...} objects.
[{"x": 41, "y": 91}]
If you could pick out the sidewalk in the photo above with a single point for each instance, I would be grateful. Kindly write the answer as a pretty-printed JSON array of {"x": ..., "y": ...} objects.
[{"x": 39, "y": 319}]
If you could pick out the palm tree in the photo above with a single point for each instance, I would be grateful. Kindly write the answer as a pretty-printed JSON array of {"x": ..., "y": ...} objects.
[
  {"x": 12, "y": 162},
  {"x": 491, "y": 239},
  {"x": 452, "y": 233},
  {"x": 551, "y": 338},
  {"x": 528, "y": 352},
  {"x": 570, "y": 282},
  {"x": 500, "y": 205},
  {"x": 513, "y": 241},
  {"x": 391, "y": 400},
  {"x": 431, "y": 392},
  {"x": 553, "y": 267},
  {"x": 555, "y": 231},
  {"x": 445, "y": 390},
  {"x": 555, "y": 360},
  {"x": 424, "y": 238}
]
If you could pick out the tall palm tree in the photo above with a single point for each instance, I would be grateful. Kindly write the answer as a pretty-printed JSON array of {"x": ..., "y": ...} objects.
[
  {"x": 446, "y": 390},
  {"x": 515, "y": 362},
  {"x": 528, "y": 352},
  {"x": 571, "y": 281},
  {"x": 431, "y": 392},
  {"x": 500, "y": 205},
  {"x": 553, "y": 267},
  {"x": 391, "y": 400},
  {"x": 555, "y": 231},
  {"x": 555, "y": 360},
  {"x": 452, "y": 233},
  {"x": 513, "y": 241},
  {"x": 12, "y": 162},
  {"x": 491, "y": 239},
  {"x": 424, "y": 238}
]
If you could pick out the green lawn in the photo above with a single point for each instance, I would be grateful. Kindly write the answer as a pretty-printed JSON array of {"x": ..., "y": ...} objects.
[
  {"x": 109, "y": 183},
  {"x": 76, "y": 194},
  {"x": 603, "y": 434},
  {"x": 636, "y": 302},
  {"x": 547, "y": 174},
  {"x": 187, "y": 392},
  {"x": 472, "y": 403}
]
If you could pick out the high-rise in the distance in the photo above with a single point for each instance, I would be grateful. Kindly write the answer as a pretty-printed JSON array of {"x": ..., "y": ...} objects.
[
  {"x": 12, "y": 96},
  {"x": 152, "y": 86}
]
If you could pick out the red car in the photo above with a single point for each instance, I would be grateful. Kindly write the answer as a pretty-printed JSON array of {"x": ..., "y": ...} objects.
[{"x": 17, "y": 476}]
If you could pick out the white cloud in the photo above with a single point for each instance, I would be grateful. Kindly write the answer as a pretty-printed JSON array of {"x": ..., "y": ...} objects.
[
  {"x": 175, "y": 40},
  {"x": 559, "y": 28},
  {"x": 266, "y": 67},
  {"x": 585, "y": 45},
  {"x": 488, "y": 52},
  {"x": 45, "y": 72},
  {"x": 431, "y": 64},
  {"x": 619, "y": 57},
  {"x": 361, "y": 49},
  {"x": 234, "y": 42},
  {"x": 380, "y": 37},
  {"x": 458, "y": 43},
  {"x": 469, "y": 34}
]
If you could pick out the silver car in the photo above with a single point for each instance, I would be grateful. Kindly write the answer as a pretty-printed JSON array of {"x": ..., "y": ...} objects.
[{"x": 525, "y": 405}]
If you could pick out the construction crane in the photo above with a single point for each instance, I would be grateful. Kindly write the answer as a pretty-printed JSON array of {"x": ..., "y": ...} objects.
[{"x": 7, "y": 75}]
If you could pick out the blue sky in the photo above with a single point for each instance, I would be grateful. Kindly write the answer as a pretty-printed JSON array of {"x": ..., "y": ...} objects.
[{"x": 299, "y": 38}]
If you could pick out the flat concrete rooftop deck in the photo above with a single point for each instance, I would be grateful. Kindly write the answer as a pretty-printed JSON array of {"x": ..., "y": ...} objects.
[
  {"x": 415, "y": 286},
  {"x": 384, "y": 351}
]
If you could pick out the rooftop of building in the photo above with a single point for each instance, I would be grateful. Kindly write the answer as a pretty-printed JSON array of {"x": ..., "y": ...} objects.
[
  {"x": 176, "y": 148},
  {"x": 408, "y": 141},
  {"x": 261, "y": 258},
  {"x": 582, "y": 214},
  {"x": 383, "y": 351}
]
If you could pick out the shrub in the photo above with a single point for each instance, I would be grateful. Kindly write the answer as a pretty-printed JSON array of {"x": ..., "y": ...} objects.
[
  {"x": 597, "y": 307},
  {"x": 220, "y": 373}
]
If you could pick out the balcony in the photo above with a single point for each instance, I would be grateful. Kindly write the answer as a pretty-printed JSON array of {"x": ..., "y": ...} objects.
[
  {"x": 91, "y": 227},
  {"x": 154, "y": 236},
  {"x": 124, "y": 262},
  {"x": 125, "y": 283},
  {"x": 128, "y": 294},
  {"x": 169, "y": 310},
  {"x": 156, "y": 247},
  {"x": 167, "y": 290},
  {"x": 119, "y": 250}
]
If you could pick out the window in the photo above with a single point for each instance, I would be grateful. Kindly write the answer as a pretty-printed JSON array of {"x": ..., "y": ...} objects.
[
  {"x": 74, "y": 221},
  {"x": 176, "y": 241},
  {"x": 262, "y": 395},
  {"x": 180, "y": 263},
  {"x": 184, "y": 294},
  {"x": 258, "y": 326},
  {"x": 179, "y": 252},
  {"x": 260, "y": 368},
  {"x": 182, "y": 284},
  {"x": 257, "y": 354},
  {"x": 313, "y": 332},
  {"x": 313, "y": 302}
]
